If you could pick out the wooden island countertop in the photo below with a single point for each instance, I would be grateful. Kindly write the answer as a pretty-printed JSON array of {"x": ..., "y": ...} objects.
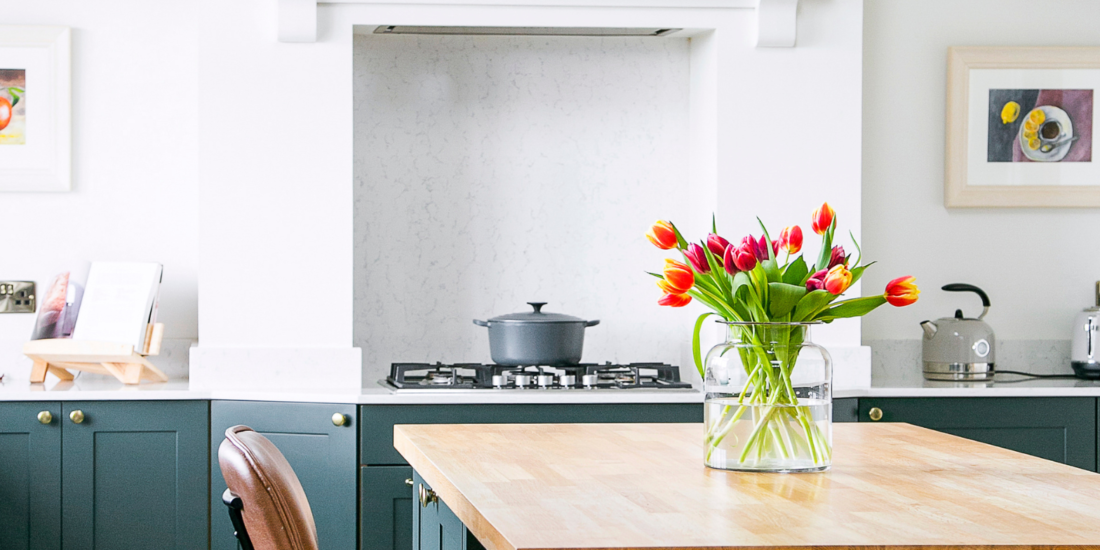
[{"x": 635, "y": 486}]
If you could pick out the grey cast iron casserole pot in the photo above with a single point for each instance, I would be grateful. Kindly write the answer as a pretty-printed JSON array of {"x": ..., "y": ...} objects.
[{"x": 536, "y": 338}]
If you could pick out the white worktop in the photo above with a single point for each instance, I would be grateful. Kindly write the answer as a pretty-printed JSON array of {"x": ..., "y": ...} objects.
[{"x": 98, "y": 388}]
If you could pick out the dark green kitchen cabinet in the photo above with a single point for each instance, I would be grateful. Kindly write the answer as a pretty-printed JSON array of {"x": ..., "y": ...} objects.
[
  {"x": 386, "y": 497},
  {"x": 135, "y": 474},
  {"x": 846, "y": 410},
  {"x": 322, "y": 453},
  {"x": 376, "y": 439},
  {"x": 30, "y": 476},
  {"x": 435, "y": 526},
  {"x": 1062, "y": 429}
]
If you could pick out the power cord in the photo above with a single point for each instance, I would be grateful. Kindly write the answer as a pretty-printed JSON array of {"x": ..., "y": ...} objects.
[{"x": 1033, "y": 375}]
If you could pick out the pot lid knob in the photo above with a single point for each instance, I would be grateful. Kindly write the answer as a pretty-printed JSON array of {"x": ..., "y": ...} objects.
[{"x": 537, "y": 306}]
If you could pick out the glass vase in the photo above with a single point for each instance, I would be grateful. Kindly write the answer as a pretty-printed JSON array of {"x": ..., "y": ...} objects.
[{"x": 768, "y": 401}]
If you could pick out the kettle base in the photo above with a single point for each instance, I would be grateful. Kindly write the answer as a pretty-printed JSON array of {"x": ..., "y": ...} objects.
[
  {"x": 1089, "y": 370},
  {"x": 958, "y": 372}
]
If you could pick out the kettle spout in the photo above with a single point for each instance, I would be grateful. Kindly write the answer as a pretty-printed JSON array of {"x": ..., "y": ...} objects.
[{"x": 929, "y": 328}]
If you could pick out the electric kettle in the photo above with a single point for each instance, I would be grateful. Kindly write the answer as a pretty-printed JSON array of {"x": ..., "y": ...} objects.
[
  {"x": 959, "y": 347},
  {"x": 1085, "y": 350}
]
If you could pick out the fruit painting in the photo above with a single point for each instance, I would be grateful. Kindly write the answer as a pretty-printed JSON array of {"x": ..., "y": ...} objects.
[
  {"x": 13, "y": 106},
  {"x": 1040, "y": 125}
]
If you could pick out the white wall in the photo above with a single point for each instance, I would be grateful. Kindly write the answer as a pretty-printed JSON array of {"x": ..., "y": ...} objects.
[
  {"x": 135, "y": 139},
  {"x": 1037, "y": 265}
]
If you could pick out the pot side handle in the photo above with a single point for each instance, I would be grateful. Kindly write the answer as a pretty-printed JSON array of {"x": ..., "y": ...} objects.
[
  {"x": 481, "y": 323},
  {"x": 591, "y": 323}
]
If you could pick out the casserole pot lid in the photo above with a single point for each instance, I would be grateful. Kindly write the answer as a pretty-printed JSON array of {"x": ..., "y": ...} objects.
[{"x": 536, "y": 316}]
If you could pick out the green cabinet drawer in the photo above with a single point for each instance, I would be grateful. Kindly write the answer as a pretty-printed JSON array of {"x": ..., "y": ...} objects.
[
  {"x": 376, "y": 439},
  {"x": 30, "y": 477},
  {"x": 1062, "y": 429},
  {"x": 135, "y": 475},
  {"x": 321, "y": 453}
]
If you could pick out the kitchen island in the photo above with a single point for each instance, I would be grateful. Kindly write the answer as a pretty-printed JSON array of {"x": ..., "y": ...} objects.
[{"x": 573, "y": 486}]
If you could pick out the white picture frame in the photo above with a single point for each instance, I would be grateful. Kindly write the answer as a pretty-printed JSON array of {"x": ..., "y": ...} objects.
[
  {"x": 39, "y": 160},
  {"x": 974, "y": 181}
]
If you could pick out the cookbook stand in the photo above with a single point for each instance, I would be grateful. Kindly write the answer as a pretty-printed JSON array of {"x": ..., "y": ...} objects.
[{"x": 60, "y": 356}]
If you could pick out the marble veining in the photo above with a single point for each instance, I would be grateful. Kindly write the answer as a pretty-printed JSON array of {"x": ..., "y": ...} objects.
[{"x": 493, "y": 171}]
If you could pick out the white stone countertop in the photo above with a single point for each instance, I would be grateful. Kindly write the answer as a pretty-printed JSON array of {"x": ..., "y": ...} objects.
[{"x": 106, "y": 389}]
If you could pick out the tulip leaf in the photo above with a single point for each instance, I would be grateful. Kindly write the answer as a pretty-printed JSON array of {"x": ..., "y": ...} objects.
[
  {"x": 811, "y": 304},
  {"x": 771, "y": 270},
  {"x": 696, "y": 350},
  {"x": 859, "y": 253},
  {"x": 657, "y": 275},
  {"x": 857, "y": 272},
  {"x": 681, "y": 243},
  {"x": 795, "y": 272},
  {"x": 767, "y": 239},
  {"x": 856, "y": 307},
  {"x": 783, "y": 298},
  {"x": 826, "y": 248},
  {"x": 713, "y": 223}
]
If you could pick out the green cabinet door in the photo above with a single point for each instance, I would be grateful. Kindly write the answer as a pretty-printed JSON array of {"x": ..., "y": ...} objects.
[
  {"x": 30, "y": 476},
  {"x": 385, "y": 500},
  {"x": 135, "y": 475},
  {"x": 322, "y": 454},
  {"x": 1063, "y": 429},
  {"x": 435, "y": 525},
  {"x": 846, "y": 410}
]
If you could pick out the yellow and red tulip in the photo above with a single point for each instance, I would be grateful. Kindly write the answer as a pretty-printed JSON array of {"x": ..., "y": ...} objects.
[
  {"x": 678, "y": 276},
  {"x": 790, "y": 239},
  {"x": 674, "y": 300},
  {"x": 662, "y": 235},
  {"x": 823, "y": 218},
  {"x": 902, "y": 291},
  {"x": 838, "y": 279},
  {"x": 698, "y": 258}
]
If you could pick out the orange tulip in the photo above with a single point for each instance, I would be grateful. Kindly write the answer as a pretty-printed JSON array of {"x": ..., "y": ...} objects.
[
  {"x": 823, "y": 218},
  {"x": 667, "y": 288},
  {"x": 838, "y": 279},
  {"x": 674, "y": 300},
  {"x": 678, "y": 277},
  {"x": 791, "y": 239},
  {"x": 902, "y": 291},
  {"x": 662, "y": 235}
]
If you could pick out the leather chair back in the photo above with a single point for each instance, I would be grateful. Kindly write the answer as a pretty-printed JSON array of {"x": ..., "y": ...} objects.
[{"x": 275, "y": 510}]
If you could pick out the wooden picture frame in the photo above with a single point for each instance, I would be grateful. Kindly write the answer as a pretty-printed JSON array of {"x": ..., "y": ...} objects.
[
  {"x": 35, "y": 108},
  {"x": 971, "y": 181}
]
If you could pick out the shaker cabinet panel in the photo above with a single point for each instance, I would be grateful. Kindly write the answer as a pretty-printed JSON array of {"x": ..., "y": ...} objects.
[
  {"x": 30, "y": 476},
  {"x": 1062, "y": 429},
  {"x": 386, "y": 500},
  {"x": 135, "y": 474},
  {"x": 321, "y": 453}
]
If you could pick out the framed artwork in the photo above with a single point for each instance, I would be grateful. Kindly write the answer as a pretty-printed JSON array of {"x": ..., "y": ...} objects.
[
  {"x": 1020, "y": 127},
  {"x": 35, "y": 109}
]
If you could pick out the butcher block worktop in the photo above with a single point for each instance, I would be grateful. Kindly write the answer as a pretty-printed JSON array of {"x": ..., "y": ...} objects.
[{"x": 604, "y": 486}]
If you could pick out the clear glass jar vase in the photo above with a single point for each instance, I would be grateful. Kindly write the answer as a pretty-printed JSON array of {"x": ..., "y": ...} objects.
[{"x": 768, "y": 400}]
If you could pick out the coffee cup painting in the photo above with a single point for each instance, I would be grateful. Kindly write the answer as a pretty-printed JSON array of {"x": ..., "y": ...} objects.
[
  {"x": 1040, "y": 126},
  {"x": 13, "y": 106}
]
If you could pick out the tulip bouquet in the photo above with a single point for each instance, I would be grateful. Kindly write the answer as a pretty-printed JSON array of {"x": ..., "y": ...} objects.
[{"x": 767, "y": 303}]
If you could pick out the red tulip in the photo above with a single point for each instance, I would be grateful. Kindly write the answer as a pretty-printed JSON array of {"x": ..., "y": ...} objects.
[
  {"x": 817, "y": 280},
  {"x": 902, "y": 291},
  {"x": 823, "y": 218},
  {"x": 678, "y": 276},
  {"x": 698, "y": 258},
  {"x": 742, "y": 256},
  {"x": 790, "y": 239},
  {"x": 662, "y": 235},
  {"x": 728, "y": 260},
  {"x": 838, "y": 257},
  {"x": 838, "y": 279},
  {"x": 674, "y": 300},
  {"x": 759, "y": 247},
  {"x": 717, "y": 245}
]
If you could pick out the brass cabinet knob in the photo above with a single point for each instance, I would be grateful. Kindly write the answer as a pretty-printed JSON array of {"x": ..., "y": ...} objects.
[
  {"x": 875, "y": 414},
  {"x": 340, "y": 419},
  {"x": 77, "y": 416},
  {"x": 45, "y": 417},
  {"x": 409, "y": 481},
  {"x": 427, "y": 496}
]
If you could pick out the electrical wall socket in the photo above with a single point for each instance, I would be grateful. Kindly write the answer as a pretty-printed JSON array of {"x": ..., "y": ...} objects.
[{"x": 17, "y": 297}]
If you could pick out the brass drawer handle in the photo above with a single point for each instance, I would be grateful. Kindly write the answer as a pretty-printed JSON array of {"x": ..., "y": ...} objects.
[
  {"x": 340, "y": 419},
  {"x": 76, "y": 416},
  {"x": 409, "y": 481},
  {"x": 45, "y": 417},
  {"x": 427, "y": 496},
  {"x": 875, "y": 414}
]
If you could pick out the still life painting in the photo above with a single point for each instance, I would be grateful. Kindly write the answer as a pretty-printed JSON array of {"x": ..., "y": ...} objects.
[
  {"x": 13, "y": 106},
  {"x": 1040, "y": 126}
]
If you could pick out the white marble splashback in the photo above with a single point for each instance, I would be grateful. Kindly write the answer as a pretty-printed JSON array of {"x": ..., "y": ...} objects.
[
  {"x": 898, "y": 362},
  {"x": 493, "y": 171}
]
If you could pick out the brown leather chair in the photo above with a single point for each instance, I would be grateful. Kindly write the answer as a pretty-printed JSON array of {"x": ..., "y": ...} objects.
[{"x": 265, "y": 499}]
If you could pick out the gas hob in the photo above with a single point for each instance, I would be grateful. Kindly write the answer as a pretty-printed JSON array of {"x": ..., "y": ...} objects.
[{"x": 582, "y": 377}]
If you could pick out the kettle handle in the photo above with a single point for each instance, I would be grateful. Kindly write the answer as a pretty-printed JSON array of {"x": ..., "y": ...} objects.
[{"x": 963, "y": 287}]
